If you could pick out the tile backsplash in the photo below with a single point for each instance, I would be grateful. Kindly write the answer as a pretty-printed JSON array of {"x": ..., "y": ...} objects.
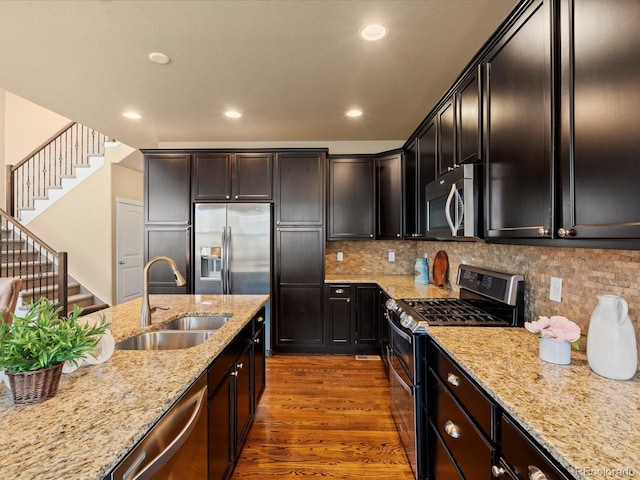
[{"x": 585, "y": 272}]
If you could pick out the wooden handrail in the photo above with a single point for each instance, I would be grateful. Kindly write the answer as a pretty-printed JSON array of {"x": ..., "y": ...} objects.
[
  {"x": 28, "y": 232},
  {"x": 42, "y": 145}
]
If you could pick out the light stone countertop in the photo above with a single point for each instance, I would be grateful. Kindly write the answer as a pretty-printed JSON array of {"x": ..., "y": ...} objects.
[
  {"x": 100, "y": 412},
  {"x": 589, "y": 424}
]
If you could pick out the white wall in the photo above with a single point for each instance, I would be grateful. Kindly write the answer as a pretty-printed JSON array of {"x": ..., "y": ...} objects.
[{"x": 3, "y": 122}]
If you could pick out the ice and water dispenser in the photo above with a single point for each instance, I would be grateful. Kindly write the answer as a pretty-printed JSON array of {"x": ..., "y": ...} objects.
[{"x": 210, "y": 263}]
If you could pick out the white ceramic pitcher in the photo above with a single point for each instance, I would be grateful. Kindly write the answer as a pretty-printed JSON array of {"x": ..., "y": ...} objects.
[{"x": 612, "y": 351}]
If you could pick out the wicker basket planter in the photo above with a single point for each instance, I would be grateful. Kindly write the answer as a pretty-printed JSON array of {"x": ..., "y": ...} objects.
[{"x": 37, "y": 386}]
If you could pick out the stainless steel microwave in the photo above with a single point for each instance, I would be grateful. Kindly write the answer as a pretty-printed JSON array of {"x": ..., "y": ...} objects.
[{"x": 454, "y": 205}]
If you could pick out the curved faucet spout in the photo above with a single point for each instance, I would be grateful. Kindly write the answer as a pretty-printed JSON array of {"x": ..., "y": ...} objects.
[{"x": 145, "y": 314}]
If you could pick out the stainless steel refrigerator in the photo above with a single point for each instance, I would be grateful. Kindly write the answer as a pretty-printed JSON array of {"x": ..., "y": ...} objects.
[{"x": 232, "y": 251}]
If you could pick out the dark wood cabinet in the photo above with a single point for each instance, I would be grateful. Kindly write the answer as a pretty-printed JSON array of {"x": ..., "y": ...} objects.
[
  {"x": 351, "y": 318},
  {"x": 172, "y": 242},
  {"x": 468, "y": 101},
  {"x": 419, "y": 170},
  {"x": 389, "y": 196},
  {"x": 167, "y": 192},
  {"x": 351, "y": 199},
  {"x": 338, "y": 318},
  {"x": 300, "y": 188},
  {"x": 299, "y": 279},
  {"x": 258, "y": 365},
  {"x": 518, "y": 135},
  {"x": 232, "y": 379},
  {"x": 366, "y": 318},
  {"x": 600, "y": 111},
  {"x": 227, "y": 176},
  {"x": 446, "y": 137}
]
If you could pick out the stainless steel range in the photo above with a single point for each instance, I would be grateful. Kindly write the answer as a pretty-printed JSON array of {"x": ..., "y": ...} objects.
[{"x": 487, "y": 299}]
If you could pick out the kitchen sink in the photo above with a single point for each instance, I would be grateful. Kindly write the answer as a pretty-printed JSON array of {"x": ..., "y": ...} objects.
[
  {"x": 164, "y": 340},
  {"x": 197, "y": 322}
]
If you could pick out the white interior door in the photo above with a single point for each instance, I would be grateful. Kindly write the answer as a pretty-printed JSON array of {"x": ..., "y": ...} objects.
[{"x": 129, "y": 249}]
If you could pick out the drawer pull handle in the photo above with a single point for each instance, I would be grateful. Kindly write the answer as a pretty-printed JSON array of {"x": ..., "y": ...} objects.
[
  {"x": 340, "y": 291},
  {"x": 453, "y": 380},
  {"x": 497, "y": 471},
  {"x": 536, "y": 474},
  {"x": 454, "y": 431}
]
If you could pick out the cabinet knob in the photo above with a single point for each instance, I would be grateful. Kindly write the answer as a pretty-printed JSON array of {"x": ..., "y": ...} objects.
[
  {"x": 260, "y": 319},
  {"x": 339, "y": 291},
  {"x": 566, "y": 232},
  {"x": 257, "y": 340},
  {"x": 235, "y": 374},
  {"x": 497, "y": 471},
  {"x": 441, "y": 182},
  {"x": 543, "y": 232},
  {"x": 449, "y": 169},
  {"x": 227, "y": 197},
  {"x": 536, "y": 474},
  {"x": 453, "y": 380},
  {"x": 237, "y": 197},
  {"x": 348, "y": 300},
  {"x": 371, "y": 235},
  {"x": 453, "y": 430},
  {"x": 398, "y": 235},
  {"x": 240, "y": 366}
]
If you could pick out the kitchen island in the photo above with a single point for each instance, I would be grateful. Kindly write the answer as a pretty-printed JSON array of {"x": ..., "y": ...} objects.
[{"x": 100, "y": 412}]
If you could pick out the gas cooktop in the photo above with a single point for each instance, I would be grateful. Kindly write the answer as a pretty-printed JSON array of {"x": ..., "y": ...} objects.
[{"x": 487, "y": 298}]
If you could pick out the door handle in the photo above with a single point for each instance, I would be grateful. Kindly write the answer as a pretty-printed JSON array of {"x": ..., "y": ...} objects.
[{"x": 121, "y": 262}]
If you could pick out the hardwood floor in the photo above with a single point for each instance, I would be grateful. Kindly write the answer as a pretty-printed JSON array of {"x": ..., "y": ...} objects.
[{"x": 324, "y": 416}]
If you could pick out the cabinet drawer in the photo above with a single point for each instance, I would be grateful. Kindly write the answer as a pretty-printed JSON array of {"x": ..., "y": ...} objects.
[
  {"x": 441, "y": 465},
  {"x": 521, "y": 453},
  {"x": 340, "y": 291},
  {"x": 467, "y": 446},
  {"x": 464, "y": 390}
]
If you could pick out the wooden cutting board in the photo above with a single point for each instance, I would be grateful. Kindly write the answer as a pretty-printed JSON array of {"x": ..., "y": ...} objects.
[{"x": 440, "y": 274}]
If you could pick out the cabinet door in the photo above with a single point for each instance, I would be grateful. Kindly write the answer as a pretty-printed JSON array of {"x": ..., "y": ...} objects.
[
  {"x": 300, "y": 188},
  {"x": 167, "y": 190},
  {"x": 366, "y": 314},
  {"x": 244, "y": 398},
  {"x": 410, "y": 189},
  {"x": 468, "y": 119},
  {"x": 339, "y": 321},
  {"x": 389, "y": 190},
  {"x": 299, "y": 279},
  {"x": 212, "y": 176},
  {"x": 259, "y": 364},
  {"x": 351, "y": 198},
  {"x": 427, "y": 160},
  {"x": 252, "y": 176},
  {"x": 518, "y": 134},
  {"x": 600, "y": 145},
  {"x": 446, "y": 137},
  {"x": 221, "y": 413},
  {"x": 174, "y": 243}
]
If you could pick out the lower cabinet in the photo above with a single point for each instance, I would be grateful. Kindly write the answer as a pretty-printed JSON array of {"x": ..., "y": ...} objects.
[
  {"x": 234, "y": 379},
  {"x": 351, "y": 318},
  {"x": 469, "y": 436}
]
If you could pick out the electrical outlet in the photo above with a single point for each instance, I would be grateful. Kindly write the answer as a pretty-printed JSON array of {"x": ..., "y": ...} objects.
[
  {"x": 555, "y": 289},
  {"x": 340, "y": 256},
  {"x": 392, "y": 256}
]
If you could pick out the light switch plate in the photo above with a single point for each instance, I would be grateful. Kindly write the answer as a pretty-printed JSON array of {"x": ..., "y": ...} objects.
[
  {"x": 555, "y": 289},
  {"x": 340, "y": 256},
  {"x": 392, "y": 256}
]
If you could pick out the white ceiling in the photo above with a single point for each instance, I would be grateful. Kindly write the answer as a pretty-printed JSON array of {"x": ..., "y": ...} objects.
[{"x": 292, "y": 67}]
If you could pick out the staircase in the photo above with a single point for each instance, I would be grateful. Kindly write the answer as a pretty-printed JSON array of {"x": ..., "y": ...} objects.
[{"x": 39, "y": 179}]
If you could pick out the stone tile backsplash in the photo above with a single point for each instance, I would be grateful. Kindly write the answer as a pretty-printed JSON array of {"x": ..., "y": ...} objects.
[{"x": 585, "y": 272}]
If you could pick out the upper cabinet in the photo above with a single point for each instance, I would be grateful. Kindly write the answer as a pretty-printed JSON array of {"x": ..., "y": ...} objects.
[
  {"x": 446, "y": 137},
  {"x": 419, "y": 170},
  {"x": 600, "y": 112},
  {"x": 469, "y": 118},
  {"x": 351, "y": 202},
  {"x": 167, "y": 180},
  {"x": 221, "y": 176},
  {"x": 389, "y": 193},
  {"x": 518, "y": 133},
  {"x": 300, "y": 189}
]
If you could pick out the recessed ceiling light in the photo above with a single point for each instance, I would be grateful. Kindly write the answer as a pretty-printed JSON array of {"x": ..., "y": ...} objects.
[
  {"x": 159, "y": 58},
  {"x": 354, "y": 113},
  {"x": 374, "y": 31},
  {"x": 233, "y": 114},
  {"x": 132, "y": 115}
]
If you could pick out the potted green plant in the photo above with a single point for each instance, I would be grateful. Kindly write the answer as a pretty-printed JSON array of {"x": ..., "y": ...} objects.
[{"x": 34, "y": 347}]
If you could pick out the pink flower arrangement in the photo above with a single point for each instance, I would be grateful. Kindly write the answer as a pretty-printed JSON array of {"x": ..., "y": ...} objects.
[{"x": 557, "y": 328}]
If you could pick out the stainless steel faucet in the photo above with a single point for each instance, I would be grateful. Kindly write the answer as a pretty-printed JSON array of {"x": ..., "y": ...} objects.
[{"x": 145, "y": 314}]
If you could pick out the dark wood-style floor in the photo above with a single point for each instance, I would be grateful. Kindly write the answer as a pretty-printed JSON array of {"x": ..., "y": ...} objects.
[{"x": 324, "y": 416}]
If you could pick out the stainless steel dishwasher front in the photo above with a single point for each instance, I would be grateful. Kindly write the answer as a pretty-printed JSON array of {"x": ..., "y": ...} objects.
[{"x": 176, "y": 446}]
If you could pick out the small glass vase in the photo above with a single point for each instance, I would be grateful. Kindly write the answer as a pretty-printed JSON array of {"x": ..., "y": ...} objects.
[{"x": 553, "y": 351}]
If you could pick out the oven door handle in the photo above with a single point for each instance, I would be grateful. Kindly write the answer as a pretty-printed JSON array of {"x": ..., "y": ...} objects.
[
  {"x": 396, "y": 329},
  {"x": 398, "y": 377}
]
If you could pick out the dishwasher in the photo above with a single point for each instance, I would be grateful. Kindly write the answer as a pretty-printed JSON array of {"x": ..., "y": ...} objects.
[{"x": 175, "y": 447}]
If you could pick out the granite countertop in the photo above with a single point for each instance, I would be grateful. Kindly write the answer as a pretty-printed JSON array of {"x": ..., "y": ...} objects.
[
  {"x": 588, "y": 423},
  {"x": 101, "y": 411}
]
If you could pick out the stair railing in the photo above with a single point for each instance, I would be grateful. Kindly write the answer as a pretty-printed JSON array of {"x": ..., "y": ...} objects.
[
  {"x": 46, "y": 166},
  {"x": 43, "y": 270}
]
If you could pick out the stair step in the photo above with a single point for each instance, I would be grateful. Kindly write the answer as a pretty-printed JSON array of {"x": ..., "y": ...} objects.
[
  {"x": 80, "y": 299},
  {"x": 49, "y": 291},
  {"x": 33, "y": 280},
  {"x": 95, "y": 307},
  {"x": 18, "y": 269},
  {"x": 19, "y": 255}
]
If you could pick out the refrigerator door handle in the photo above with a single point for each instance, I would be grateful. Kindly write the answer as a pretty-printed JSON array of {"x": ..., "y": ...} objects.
[
  {"x": 228, "y": 270},
  {"x": 223, "y": 262}
]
